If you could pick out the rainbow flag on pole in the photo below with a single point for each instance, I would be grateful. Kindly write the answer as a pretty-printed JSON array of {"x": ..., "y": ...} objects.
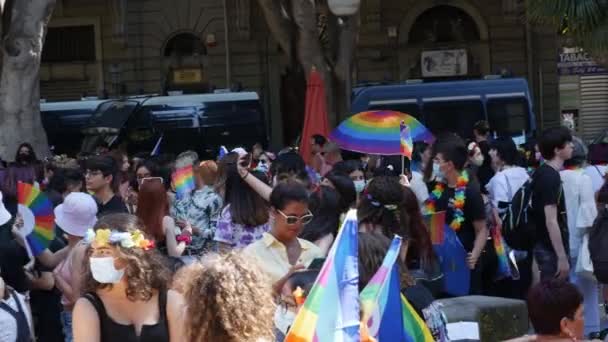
[
  {"x": 331, "y": 310},
  {"x": 183, "y": 180},
  {"x": 407, "y": 146},
  {"x": 388, "y": 314}
]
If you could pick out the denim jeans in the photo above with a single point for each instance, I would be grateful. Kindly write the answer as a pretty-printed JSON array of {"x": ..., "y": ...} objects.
[
  {"x": 589, "y": 289},
  {"x": 546, "y": 259},
  {"x": 66, "y": 322}
]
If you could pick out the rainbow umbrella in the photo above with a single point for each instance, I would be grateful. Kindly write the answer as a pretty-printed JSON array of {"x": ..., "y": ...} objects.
[{"x": 378, "y": 132}]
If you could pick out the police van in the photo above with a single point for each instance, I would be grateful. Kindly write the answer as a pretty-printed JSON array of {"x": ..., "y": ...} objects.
[{"x": 200, "y": 122}]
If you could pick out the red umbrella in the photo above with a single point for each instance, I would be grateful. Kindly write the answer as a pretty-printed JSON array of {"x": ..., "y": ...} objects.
[{"x": 315, "y": 115}]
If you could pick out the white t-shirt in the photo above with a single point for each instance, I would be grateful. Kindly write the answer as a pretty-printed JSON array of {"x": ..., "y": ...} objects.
[
  {"x": 419, "y": 187},
  {"x": 8, "y": 324},
  {"x": 596, "y": 173},
  {"x": 580, "y": 206},
  {"x": 503, "y": 186}
]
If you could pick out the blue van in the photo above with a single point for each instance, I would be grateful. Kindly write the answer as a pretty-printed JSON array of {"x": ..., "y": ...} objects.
[{"x": 455, "y": 106}]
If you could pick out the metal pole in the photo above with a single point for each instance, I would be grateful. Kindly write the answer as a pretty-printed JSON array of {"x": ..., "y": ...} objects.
[{"x": 227, "y": 44}]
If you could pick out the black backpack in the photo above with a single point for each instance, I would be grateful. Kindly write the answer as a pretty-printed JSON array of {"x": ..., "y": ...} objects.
[
  {"x": 598, "y": 240},
  {"x": 518, "y": 228}
]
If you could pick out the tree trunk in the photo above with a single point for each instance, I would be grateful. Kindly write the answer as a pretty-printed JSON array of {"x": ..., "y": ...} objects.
[{"x": 20, "y": 80}]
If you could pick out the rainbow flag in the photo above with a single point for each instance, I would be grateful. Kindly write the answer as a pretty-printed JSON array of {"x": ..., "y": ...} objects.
[
  {"x": 331, "y": 310},
  {"x": 435, "y": 223},
  {"x": 504, "y": 268},
  {"x": 388, "y": 314},
  {"x": 407, "y": 146},
  {"x": 183, "y": 180}
]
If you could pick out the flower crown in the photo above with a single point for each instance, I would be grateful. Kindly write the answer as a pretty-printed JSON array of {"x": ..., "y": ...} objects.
[{"x": 105, "y": 237}]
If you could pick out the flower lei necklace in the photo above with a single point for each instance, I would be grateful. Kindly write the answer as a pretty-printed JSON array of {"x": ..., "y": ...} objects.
[{"x": 457, "y": 203}]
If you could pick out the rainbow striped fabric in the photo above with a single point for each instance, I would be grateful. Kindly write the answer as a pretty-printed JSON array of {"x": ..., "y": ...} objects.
[
  {"x": 183, "y": 180},
  {"x": 504, "y": 268},
  {"x": 331, "y": 310},
  {"x": 377, "y": 132},
  {"x": 407, "y": 146},
  {"x": 36, "y": 210},
  {"x": 435, "y": 223},
  {"x": 388, "y": 314}
]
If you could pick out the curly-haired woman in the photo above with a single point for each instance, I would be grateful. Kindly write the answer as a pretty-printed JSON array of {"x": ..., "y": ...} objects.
[
  {"x": 125, "y": 288},
  {"x": 229, "y": 300}
]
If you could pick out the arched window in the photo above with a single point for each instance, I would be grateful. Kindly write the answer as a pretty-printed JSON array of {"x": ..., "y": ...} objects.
[
  {"x": 184, "y": 45},
  {"x": 444, "y": 24}
]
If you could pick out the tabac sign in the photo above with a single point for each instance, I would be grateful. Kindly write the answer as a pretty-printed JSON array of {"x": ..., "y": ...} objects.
[{"x": 578, "y": 62}]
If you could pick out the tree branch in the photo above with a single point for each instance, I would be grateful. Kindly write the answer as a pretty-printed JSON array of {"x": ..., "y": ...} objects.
[{"x": 279, "y": 26}]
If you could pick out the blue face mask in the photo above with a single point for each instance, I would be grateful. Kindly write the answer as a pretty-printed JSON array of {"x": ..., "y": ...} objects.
[
  {"x": 437, "y": 174},
  {"x": 359, "y": 186}
]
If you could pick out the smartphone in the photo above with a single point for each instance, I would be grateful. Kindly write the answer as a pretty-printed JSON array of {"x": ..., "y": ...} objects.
[
  {"x": 316, "y": 264},
  {"x": 246, "y": 161}
]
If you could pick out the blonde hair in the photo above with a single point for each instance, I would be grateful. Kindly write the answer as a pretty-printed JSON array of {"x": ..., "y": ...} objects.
[{"x": 228, "y": 298}]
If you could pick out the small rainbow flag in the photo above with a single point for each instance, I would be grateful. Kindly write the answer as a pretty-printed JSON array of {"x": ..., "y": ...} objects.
[
  {"x": 388, "y": 314},
  {"x": 36, "y": 210},
  {"x": 331, "y": 310},
  {"x": 504, "y": 269},
  {"x": 183, "y": 180},
  {"x": 407, "y": 146},
  {"x": 435, "y": 223}
]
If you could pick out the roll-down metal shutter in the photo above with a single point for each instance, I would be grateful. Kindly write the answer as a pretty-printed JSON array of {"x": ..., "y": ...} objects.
[{"x": 594, "y": 105}]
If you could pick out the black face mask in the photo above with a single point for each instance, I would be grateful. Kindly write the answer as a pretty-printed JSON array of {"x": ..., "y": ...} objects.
[{"x": 24, "y": 158}]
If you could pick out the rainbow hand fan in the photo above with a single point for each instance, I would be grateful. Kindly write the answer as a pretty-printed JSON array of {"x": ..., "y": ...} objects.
[{"x": 38, "y": 219}]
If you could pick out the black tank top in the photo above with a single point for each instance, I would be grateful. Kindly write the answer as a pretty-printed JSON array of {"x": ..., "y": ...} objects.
[{"x": 112, "y": 331}]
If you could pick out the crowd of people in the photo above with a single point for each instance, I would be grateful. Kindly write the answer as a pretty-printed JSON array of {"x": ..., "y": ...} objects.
[{"x": 131, "y": 261}]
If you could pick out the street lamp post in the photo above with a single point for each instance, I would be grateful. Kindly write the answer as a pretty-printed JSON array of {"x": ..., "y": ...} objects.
[{"x": 227, "y": 42}]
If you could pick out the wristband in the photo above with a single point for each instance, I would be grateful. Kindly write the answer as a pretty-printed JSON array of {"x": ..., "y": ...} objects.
[{"x": 187, "y": 239}]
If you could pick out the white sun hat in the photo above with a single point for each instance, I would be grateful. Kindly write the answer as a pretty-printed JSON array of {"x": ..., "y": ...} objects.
[{"x": 77, "y": 214}]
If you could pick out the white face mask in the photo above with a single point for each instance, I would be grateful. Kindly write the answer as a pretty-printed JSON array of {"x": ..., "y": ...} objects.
[
  {"x": 478, "y": 159},
  {"x": 104, "y": 272},
  {"x": 359, "y": 186},
  {"x": 437, "y": 174}
]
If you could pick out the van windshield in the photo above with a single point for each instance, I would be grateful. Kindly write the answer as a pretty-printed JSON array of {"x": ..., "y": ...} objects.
[
  {"x": 454, "y": 116},
  {"x": 508, "y": 116}
]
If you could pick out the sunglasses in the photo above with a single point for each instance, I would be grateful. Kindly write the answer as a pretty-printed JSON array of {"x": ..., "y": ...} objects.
[
  {"x": 291, "y": 219},
  {"x": 151, "y": 179}
]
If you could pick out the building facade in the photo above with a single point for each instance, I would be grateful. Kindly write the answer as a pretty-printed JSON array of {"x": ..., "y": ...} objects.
[{"x": 129, "y": 47}]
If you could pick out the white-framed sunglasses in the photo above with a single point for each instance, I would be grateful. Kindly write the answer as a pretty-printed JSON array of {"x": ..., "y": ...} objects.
[
  {"x": 292, "y": 219},
  {"x": 151, "y": 179}
]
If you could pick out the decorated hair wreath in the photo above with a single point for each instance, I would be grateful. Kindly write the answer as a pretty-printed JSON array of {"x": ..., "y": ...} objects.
[{"x": 105, "y": 237}]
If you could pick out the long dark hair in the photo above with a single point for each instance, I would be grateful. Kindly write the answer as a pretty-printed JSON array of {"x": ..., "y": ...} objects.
[
  {"x": 33, "y": 156},
  {"x": 420, "y": 246},
  {"x": 246, "y": 206},
  {"x": 345, "y": 188},
  {"x": 383, "y": 205},
  {"x": 324, "y": 205}
]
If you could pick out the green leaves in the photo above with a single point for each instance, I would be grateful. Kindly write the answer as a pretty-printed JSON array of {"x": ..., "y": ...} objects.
[{"x": 586, "y": 21}]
